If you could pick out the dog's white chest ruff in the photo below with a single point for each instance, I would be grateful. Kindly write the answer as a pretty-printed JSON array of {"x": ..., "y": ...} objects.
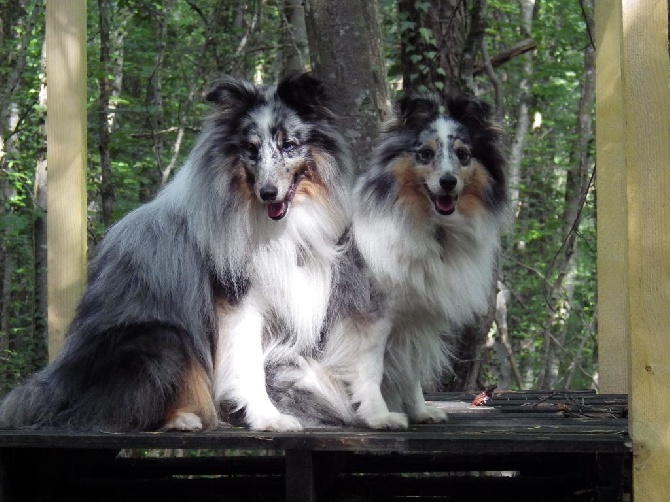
[
  {"x": 292, "y": 282},
  {"x": 432, "y": 281}
]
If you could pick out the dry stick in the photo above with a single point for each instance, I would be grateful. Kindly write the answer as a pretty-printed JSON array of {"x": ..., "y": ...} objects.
[{"x": 502, "y": 57}]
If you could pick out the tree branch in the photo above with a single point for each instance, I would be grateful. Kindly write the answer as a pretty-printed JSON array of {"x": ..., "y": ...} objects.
[{"x": 503, "y": 57}]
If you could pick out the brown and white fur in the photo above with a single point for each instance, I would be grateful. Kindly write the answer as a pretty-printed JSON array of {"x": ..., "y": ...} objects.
[
  {"x": 425, "y": 235},
  {"x": 229, "y": 268}
]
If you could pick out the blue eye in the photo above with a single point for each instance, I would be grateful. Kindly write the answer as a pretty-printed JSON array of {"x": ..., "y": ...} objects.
[{"x": 289, "y": 145}]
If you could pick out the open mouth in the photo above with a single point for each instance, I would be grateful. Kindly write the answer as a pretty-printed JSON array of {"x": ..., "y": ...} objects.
[
  {"x": 277, "y": 210},
  {"x": 444, "y": 204}
]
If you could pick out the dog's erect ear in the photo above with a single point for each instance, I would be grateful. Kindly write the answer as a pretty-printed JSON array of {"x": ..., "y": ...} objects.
[
  {"x": 232, "y": 95},
  {"x": 469, "y": 110},
  {"x": 417, "y": 109},
  {"x": 306, "y": 95}
]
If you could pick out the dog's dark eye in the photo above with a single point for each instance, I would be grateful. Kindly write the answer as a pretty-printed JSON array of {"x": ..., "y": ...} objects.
[
  {"x": 252, "y": 150},
  {"x": 463, "y": 155},
  {"x": 425, "y": 155},
  {"x": 288, "y": 145}
]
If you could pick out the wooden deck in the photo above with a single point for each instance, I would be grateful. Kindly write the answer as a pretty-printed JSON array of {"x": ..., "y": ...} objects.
[{"x": 519, "y": 446}]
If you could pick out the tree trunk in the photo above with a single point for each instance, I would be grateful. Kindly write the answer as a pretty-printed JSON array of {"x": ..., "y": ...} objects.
[
  {"x": 439, "y": 43},
  {"x": 294, "y": 38},
  {"x": 104, "y": 133},
  {"x": 40, "y": 229},
  {"x": 154, "y": 102},
  {"x": 345, "y": 50},
  {"x": 12, "y": 16},
  {"x": 523, "y": 118},
  {"x": 576, "y": 191}
]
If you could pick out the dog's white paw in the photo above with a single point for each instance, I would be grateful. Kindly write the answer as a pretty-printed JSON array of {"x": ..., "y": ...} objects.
[
  {"x": 429, "y": 415},
  {"x": 387, "y": 421},
  {"x": 279, "y": 422},
  {"x": 183, "y": 421}
]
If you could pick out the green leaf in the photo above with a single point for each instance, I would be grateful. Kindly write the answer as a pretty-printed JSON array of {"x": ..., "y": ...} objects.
[{"x": 426, "y": 34}]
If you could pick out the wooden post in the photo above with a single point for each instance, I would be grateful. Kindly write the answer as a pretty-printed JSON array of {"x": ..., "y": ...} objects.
[
  {"x": 66, "y": 161},
  {"x": 613, "y": 306},
  {"x": 300, "y": 486},
  {"x": 646, "y": 105}
]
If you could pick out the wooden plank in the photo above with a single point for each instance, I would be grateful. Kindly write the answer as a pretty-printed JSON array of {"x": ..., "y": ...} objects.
[
  {"x": 66, "y": 159},
  {"x": 446, "y": 439},
  {"x": 612, "y": 216},
  {"x": 545, "y": 448},
  {"x": 646, "y": 73}
]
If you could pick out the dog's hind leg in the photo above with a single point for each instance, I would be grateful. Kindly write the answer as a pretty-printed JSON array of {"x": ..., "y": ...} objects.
[
  {"x": 194, "y": 405},
  {"x": 240, "y": 367}
]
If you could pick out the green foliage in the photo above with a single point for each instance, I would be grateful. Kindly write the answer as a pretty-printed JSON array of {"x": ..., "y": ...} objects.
[{"x": 163, "y": 78}]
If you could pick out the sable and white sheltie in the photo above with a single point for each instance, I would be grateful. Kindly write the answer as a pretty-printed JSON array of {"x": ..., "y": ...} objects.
[
  {"x": 229, "y": 268},
  {"x": 422, "y": 251}
]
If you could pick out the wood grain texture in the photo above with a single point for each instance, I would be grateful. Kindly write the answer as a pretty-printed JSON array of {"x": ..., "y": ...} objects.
[
  {"x": 612, "y": 234},
  {"x": 646, "y": 74},
  {"x": 66, "y": 160}
]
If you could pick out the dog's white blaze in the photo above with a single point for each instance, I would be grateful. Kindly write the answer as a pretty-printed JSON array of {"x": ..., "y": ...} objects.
[
  {"x": 443, "y": 130},
  {"x": 264, "y": 119}
]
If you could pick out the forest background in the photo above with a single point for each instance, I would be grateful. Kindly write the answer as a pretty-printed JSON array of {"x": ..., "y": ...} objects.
[{"x": 149, "y": 63}]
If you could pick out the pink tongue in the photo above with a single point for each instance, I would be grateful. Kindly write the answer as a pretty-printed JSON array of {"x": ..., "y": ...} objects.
[
  {"x": 444, "y": 203},
  {"x": 275, "y": 210}
]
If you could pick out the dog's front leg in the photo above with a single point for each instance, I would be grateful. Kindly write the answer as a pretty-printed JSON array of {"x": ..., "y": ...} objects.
[
  {"x": 367, "y": 377},
  {"x": 240, "y": 371},
  {"x": 418, "y": 411}
]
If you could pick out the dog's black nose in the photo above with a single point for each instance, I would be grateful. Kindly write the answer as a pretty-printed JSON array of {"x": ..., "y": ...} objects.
[
  {"x": 268, "y": 193},
  {"x": 448, "y": 182}
]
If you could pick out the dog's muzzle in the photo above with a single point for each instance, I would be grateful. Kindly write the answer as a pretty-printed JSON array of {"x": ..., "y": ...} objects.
[{"x": 445, "y": 201}]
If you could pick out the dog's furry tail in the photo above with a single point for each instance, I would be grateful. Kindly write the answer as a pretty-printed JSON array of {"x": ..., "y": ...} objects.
[
  {"x": 30, "y": 404},
  {"x": 307, "y": 390},
  {"x": 125, "y": 380}
]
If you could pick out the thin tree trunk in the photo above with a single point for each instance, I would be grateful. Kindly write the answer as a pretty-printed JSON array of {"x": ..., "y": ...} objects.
[
  {"x": 154, "y": 100},
  {"x": 523, "y": 118},
  {"x": 40, "y": 229},
  {"x": 509, "y": 368},
  {"x": 8, "y": 191},
  {"x": 117, "y": 53},
  {"x": 294, "y": 38},
  {"x": 16, "y": 59},
  {"x": 104, "y": 133},
  {"x": 576, "y": 191},
  {"x": 187, "y": 105}
]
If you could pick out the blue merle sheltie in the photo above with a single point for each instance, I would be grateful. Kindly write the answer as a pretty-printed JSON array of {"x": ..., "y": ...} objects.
[
  {"x": 228, "y": 269},
  {"x": 422, "y": 250}
]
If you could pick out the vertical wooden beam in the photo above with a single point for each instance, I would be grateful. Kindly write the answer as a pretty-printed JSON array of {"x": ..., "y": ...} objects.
[
  {"x": 66, "y": 161},
  {"x": 646, "y": 74},
  {"x": 613, "y": 308},
  {"x": 300, "y": 486}
]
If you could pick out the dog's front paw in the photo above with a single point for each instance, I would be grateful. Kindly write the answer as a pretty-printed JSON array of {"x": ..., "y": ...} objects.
[
  {"x": 183, "y": 421},
  {"x": 428, "y": 415},
  {"x": 387, "y": 421},
  {"x": 279, "y": 422}
]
